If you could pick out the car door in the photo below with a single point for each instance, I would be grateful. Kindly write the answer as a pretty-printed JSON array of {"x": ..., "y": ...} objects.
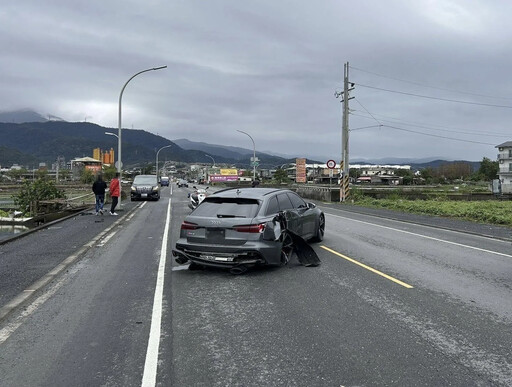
[
  {"x": 306, "y": 216},
  {"x": 293, "y": 218}
]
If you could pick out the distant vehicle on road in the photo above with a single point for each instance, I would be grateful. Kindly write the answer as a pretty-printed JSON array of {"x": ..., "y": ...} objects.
[
  {"x": 145, "y": 187},
  {"x": 236, "y": 229},
  {"x": 197, "y": 197},
  {"x": 182, "y": 183},
  {"x": 164, "y": 181}
]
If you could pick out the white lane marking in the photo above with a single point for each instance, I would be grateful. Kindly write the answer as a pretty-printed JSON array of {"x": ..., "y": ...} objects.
[
  {"x": 151, "y": 363},
  {"x": 10, "y": 328},
  {"x": 106, "y": 239},
  {"x": 143, "y": 204},
  {"x": 423, "y": 236}
]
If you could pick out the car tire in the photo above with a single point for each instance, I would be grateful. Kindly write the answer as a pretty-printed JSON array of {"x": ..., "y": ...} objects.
[
  {"x": 320, "y": 231},
  {"x": 286, "y": 249}
]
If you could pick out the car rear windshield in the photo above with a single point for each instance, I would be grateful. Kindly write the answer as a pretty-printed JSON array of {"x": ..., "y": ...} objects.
[{"x": 227, "y": 208}]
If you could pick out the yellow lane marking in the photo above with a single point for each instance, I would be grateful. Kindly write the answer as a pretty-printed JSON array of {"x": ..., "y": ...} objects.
[{"x": 368, "y": 268}]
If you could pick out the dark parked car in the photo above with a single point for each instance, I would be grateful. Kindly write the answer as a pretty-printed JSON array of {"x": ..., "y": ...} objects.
[
  {"x": 145, "y": 187},
  {"x": 233, "y": 228},
  {"x": 182, "y": 183}
]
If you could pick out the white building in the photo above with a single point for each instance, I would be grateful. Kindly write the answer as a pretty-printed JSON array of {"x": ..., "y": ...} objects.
[{"x": 505, "y": 164}]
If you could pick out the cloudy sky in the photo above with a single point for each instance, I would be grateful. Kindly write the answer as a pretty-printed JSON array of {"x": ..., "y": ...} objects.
[{"x": 432, "y": 78}]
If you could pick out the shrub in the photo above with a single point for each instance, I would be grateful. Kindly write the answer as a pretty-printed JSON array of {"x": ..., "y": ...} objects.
[{"x": 32, "y": 192}]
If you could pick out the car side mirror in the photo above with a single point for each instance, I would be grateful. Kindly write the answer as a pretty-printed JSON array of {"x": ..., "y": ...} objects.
[{"x": 311, "y": 205}]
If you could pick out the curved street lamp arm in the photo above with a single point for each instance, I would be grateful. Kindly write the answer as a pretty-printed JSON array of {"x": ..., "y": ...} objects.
[
  {"x": 167, "y": 146},
  {"x": 254, "y": 154},
  {"x": 212, "y": 160}
]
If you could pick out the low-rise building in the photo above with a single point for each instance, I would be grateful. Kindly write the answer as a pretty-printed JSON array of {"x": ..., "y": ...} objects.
[{"x": 505, "y": 164}]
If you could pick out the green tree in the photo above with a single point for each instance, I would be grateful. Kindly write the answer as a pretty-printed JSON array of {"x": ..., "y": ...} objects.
[
  {"x": 148, "y": 169},
  {"x": 427, "y": 174},
  {"x": 109, "y": 172},
  {"x": 406, "y": 174},
  {"x": 281, "y": 176},
  {"x": 488, "y": 169},
  {"x": 32, "y": 192},
  {"x": 86, "y": 176},
  {"x": 354, "y": 172}
]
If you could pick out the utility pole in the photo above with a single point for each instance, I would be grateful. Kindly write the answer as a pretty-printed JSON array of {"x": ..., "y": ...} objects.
[{"x": 344, "y": 165}]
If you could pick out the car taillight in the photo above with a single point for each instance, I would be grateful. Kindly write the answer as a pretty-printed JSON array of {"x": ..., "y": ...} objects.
[
  {"x": 251, "y": 228},
  {"x": 189, "y": 226}
]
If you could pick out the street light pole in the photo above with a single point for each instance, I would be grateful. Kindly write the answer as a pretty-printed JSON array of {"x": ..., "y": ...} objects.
[
  {"x": 213, "y": 166},
  {"x": 254, "y": 155},
  {"x": 167, "y": 146},
  {"x": 119, "y": 162}
]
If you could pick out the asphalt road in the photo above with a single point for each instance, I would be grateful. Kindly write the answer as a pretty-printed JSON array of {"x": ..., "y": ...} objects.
[{"x": 393, "y": 303}]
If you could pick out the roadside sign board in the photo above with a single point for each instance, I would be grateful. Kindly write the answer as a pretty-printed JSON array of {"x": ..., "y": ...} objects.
[{"x": 300, "y": 170}]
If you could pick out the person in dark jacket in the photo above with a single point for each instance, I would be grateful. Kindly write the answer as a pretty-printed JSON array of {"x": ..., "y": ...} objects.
[{"x": 99, "y": 187}]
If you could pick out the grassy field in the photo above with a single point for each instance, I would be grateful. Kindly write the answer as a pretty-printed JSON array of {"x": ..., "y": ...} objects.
[{"x": 489, "y": 211}]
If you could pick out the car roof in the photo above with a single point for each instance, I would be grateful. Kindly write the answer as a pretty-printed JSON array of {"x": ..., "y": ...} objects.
[
  {"x": 248, "y": 192},
  {"x": 146, "y": 176}
]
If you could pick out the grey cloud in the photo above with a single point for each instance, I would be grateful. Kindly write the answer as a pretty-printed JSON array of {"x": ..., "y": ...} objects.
[{"x": 269, "y": 68}]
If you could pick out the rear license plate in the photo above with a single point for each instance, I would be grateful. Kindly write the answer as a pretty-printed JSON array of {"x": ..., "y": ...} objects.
[
  {"x": 214, "y": 258},
  {"x": 215, "y": 234}
]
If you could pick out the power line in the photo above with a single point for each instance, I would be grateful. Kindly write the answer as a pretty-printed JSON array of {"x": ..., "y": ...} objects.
[
  {"x": 367, "y": 111},
  {"x": 429, "y": 86},
  {"x": 435, "y": 135},
  {"x": 367, "y": 127},
  {"x": 435, "y": 98},
  {"x": 446, "y": 129}
]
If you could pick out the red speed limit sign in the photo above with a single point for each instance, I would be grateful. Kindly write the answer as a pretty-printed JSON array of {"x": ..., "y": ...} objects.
[{"x": 331, "y": 164}]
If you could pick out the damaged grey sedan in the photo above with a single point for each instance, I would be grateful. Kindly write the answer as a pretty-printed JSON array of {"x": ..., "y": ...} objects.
[{"x": 239, "y": 228}]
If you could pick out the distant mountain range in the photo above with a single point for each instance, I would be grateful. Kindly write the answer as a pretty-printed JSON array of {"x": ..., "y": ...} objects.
[{"x": 27, "y": 138}]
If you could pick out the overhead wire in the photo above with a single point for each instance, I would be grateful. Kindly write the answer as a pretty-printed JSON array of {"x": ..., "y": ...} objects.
[
  {"x": 435, "y": 98},
  {"x": 429, "y": 86},
  {"x": 435, "y": 135},
  {"x": 443, "y": 129},
  {"x": 433, "y": 127}
]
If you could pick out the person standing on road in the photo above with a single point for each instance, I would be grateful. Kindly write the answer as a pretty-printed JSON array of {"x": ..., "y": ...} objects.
[
  {"x": 114, "y": 193},
  {"x": 99, "y": 187}
]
